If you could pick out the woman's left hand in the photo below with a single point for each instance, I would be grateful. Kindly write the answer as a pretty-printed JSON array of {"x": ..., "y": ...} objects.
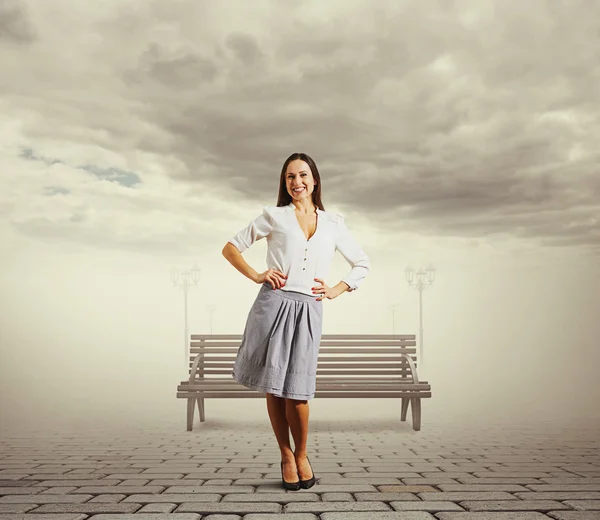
[{"x": 324, "y": 290}]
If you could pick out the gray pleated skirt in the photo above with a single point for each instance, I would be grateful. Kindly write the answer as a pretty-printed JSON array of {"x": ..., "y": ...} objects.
[{"x": 280, "y": 345}]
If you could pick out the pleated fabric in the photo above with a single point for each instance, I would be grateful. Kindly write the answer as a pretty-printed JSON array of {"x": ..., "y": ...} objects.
[{"x": 280, "y": 345}]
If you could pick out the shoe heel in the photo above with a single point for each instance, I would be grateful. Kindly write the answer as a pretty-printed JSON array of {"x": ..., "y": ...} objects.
[
  {"x": 306, "y": 484},
  {"x": 290, "y": 486}
]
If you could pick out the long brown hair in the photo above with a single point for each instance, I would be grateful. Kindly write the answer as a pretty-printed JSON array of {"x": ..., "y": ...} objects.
[{"x": 284, "y": 198}]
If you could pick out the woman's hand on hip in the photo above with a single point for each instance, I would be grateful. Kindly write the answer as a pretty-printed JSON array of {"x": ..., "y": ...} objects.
[
  {"x": 324, "y": 291},
  {"x": 274, "y": 277}
]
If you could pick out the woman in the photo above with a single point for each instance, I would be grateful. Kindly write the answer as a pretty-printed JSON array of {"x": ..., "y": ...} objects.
[{"x": 280, "y": 345}]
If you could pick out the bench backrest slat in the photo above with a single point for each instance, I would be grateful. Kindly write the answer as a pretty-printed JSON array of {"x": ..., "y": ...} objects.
[{"x": 375, "y": 355}]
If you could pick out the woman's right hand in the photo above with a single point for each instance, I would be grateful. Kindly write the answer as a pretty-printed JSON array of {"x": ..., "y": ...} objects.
[{"x": 274, "y": 277}]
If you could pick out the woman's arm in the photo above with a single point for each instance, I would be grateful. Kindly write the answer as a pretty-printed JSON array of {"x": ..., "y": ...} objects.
[{"x": 235, "y": 258}]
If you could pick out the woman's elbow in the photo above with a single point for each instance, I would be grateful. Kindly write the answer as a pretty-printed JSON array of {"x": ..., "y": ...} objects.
[{"x": 229, "y": 249}]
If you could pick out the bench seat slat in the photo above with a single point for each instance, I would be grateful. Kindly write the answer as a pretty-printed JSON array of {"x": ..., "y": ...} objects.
[
  {"x": 350, "y": 394},
  {"x": 337, "y": 386},
  {"x": 328, "y": 372},
  {"x": 332, "y": 366},
  {"x": 324, "y": 337},
  {"x": 322, "y": 350},
  {"x": 322, "y": 358}
]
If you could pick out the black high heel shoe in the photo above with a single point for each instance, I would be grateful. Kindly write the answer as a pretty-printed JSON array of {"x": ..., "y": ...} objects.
[
  {"x": 305, "y": 484},
  {"x": 291, "y": 486}
]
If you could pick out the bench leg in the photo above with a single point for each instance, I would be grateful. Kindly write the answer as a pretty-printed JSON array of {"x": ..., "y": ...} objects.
[
  {"x": 415, "y": 404},
  {"x": 191, "y": 404},
  {"x": 201, "y": 408},
  {"x": 405, "y": 403}
]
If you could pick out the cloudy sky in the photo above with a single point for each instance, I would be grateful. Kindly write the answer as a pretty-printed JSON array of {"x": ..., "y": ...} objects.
[{"x": 141, "y": 135}]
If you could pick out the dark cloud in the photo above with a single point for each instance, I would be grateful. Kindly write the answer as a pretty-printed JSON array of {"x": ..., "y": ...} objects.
[
  {"x": 471, "y": 119},
  {"x": 174, "y": 69},
  {"x": 15, "y": 26}
]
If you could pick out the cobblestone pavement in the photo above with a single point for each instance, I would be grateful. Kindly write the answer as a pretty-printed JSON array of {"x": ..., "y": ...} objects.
[{"x": 228, "y": 468}]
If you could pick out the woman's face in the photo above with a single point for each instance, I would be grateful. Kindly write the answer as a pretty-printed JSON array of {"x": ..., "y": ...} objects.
[{"x": 299, "y": 180}]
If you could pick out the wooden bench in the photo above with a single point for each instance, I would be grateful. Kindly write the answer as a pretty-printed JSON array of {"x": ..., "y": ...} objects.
[{"x": 350, "y": 366}]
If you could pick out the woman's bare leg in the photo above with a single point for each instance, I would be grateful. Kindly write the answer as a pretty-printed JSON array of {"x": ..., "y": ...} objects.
[
  {"x": 277, "y": 414},
  {"x": 297, "y": 412}
]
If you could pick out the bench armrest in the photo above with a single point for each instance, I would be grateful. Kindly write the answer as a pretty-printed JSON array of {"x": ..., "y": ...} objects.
[
  {"x": 413, "y": 368},
  {"x": 194, "y": 368}
]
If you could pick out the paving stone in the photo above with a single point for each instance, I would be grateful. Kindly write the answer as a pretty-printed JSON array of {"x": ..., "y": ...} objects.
[
  {"x": 112, "y": 499},
  {"x": 289, "y": 516},
  {"x": 134, "y": 475},
  {"x": 119, "y": 489},
  {"x": 330, "y": 488},
  {"x": 513, "y": 505},
  {"x": 157, "y": 508},
  {"x": 510, "y": 474},
  {"x": 182, "y": 482},
  {"x": 522, "y": 481},
  {"x": 16, "y": 508},
  {"x": 255, "y": 482},
  {"x": 58, "y": 490},
  {"x": 404, "y": 488},
  {"x": 88, "y": 508},
  {"x": 229, "y": 475},
  {"x": 558, "y": 495},
  {"x": 571, "y": 480},
  {"x": 509, "y": 488},
  {"x": 45, "y": 499},
  {"x": 384, "y": 497},
  {"x": 322, "y": 507},
  {"x": 240, "y": 508},
  {"x": 221, "y": 517},
  {"x": 564, "y": 487},
  {"x": 221, "y": 490},
  {"x": 515, "y": 515},
  {"x": 584, "y": 505},
  {"x": 461, "y": 495},
  {"x": 176, "y": 498},
  {"x": 424, "y": 505},
  {"x": 33, "y": 516},
  {"x": 281, "y": 498},
  {"x": 339, "y": 497},
  {"x": 384, "y": 515},
  {"x": 30, "y": 490},
  {"x": 429, "y": 481},
  {"x": 148, "y": 516},
  {"x": 375, "y": 481},
  {"x": 573, "y": 515},
  {"x": 78, "y": 482}
]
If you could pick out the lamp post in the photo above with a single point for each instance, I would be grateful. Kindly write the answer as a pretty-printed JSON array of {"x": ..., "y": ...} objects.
[
  {"x": 424, "y": 279},
  {"x": 393, "y": 308},
  {"x": 189, "y": 278},
  {"x": 211, "y": 309}
]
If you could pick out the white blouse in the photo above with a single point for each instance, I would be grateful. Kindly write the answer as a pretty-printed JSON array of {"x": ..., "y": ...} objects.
[{"x": 300, "y": 259}]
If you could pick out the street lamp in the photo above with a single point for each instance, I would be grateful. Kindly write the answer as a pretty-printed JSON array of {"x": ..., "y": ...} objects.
[
  {"x": 424, "y": 279},
  {"x": 393, "y": 308},
  {"x": 189, "y": 278}
]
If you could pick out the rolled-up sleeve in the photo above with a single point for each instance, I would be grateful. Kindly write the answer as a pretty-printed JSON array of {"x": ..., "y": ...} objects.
[
  {"x": 259, "y": 228},
  {"x": 353, "y": 254}
]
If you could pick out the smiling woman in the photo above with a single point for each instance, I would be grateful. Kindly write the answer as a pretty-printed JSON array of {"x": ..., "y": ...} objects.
[{"x": 280, "y": 346}]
